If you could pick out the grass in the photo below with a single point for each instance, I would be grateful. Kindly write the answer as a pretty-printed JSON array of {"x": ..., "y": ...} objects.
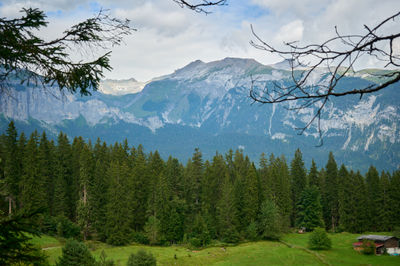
[{"x": 252, "y": 253}]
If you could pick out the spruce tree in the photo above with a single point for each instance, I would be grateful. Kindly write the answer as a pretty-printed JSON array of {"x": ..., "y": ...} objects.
[
  {"x": 85, "y": 199},
  {"x": 394, "y": 193},
  {"x": 374, "y": 193},
  {"x": 385, "y": 203},
  {"x": 314, "y": 179},
  {"x": 226, "y": 213},
  {"x": 310, "y": 209},
  {"x": 32, "y": 185},
  {"x": 12, "y": 169},
  {"x": 298, "y": 181},
  {"x": 118, "y": 210},
  {"x": 331, "y": 193}
]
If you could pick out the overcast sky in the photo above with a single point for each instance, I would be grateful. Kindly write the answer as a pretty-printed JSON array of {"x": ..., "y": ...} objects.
[{"x": 169, "y": 37}]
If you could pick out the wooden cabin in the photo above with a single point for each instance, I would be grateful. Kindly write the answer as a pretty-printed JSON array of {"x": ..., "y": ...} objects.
[{"x": 390, "y": 244}]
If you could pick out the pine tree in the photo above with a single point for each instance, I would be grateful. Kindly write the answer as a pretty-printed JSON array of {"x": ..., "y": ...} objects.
[
  {"x": 347, "y": 200},
  {"x": 32, "y": 185},
  {"x": 360, "y": 206},
  {"x": 118, "y": 210},
  {"x": 250, "y": 197},
  {"x": 298, "y": 181},
  {"x": 394, "y": 194},
  {"x": 85, "y": 181},
  {"x": 374, "y": 193},
  {"x": 385, "y": 203},
  {"x": 63, "y": 172},
  {"x": 314, "y": 179},
  {"x": 46, "y": 170},
  {"x": 140, "y": 188},
  {"x": 281, "y": 191},
  {"x": 270, "y": 225},
  {"x": 12, "y": 170},
  {"x": 331, "y": 193},
  {"x": 226, "y": 213},
  {"x": 310, "y": 209}
]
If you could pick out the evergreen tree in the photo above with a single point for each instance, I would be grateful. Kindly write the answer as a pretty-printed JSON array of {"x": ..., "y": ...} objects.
[
  {"x": 31, "y": 184},
  {"x": 140, "y": 189},
  {"x": 360, "y": 205},
  {"x": 319, "y": 240},
  {"x": 62, "y": 186},
  {"x": 75, "y": 253},
  {"x": 314, "y": 179},
  {"x": 85, "y": 182},
  {"x": 394, "y": 194},
  {"x": 250, "y": 197},
  {"x": 281, "y": 191},
  {"x": 46, "y": 170},
  {"x": 385, "y": 203},
  {"x": 310, "y": 209},
  {"x": 270, "y": 225},
  {"x": 331, "y": 193},
  {"x": 298, "y": 181},
  {"x": 374, "y": 193},
  {"x": 118, "y": 211},
  {"x": 12, "y": 169},
  {"x": 226, "y": 213}
]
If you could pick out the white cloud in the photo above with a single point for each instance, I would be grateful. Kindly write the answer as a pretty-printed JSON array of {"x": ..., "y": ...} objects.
[{"x": 169, "y": 37}]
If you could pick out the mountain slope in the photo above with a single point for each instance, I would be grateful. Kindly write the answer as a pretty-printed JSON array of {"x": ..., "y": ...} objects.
[{"x": 206, "y": 105}]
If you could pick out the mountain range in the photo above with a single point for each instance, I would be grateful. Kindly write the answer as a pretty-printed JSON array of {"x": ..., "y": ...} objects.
[{"x": 207, "y": 105}]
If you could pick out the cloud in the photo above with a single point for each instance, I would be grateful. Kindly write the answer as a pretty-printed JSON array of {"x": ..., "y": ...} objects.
[{"x": 169, "y": 37}]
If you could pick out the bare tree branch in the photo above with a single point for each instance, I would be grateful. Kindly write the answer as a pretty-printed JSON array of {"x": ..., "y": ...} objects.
[
  {"x": 200, "y": 6},
  {"x": 331, "y": 60}
]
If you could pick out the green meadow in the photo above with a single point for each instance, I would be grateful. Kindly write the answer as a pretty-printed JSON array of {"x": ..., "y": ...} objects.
[{"x": 291, "y": 251}]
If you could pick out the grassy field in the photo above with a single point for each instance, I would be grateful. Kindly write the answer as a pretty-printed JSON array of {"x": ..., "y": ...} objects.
[{"x": 253, "y": 253}]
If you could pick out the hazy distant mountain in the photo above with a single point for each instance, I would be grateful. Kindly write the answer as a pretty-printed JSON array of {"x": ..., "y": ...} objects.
[
  {"x": 121, "y": 87},
  {"x": 206, "y": 105}
]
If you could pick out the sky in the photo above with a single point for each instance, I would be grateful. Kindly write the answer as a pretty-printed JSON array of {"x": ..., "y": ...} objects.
[{"x": 169, "y": 37}]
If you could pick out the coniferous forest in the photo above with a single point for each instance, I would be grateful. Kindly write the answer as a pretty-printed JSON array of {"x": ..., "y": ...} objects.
[{"x": 120, "y": 194}]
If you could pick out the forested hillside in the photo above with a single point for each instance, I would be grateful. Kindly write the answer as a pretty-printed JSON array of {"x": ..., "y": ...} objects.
[{"x": 119, "y": 194}]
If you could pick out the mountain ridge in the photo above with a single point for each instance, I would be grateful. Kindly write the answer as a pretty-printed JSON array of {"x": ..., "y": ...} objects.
[{"x": 205, "y": 101}]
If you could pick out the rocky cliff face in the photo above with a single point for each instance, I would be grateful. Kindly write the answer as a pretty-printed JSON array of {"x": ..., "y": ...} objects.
[{"x": 209, "y": 103}]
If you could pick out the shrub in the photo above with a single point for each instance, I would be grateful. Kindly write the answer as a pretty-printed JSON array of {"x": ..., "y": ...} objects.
[
  {"x": 141, "y": 258},
  {"x": 76, "y": 253},
  {"x": 140, "y": 237},
  {"x": 319, "y": 240},
  {"x": 195, "y": 242},
  {"x": 252, "y": 231},
  {"x": 368, "y": 247}
]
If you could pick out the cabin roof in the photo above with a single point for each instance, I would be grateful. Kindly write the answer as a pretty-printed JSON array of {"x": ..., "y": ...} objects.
[{"x": 375, "y": 237}]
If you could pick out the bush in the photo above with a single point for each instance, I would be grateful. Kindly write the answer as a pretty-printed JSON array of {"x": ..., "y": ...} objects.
[
  {"x": 141, "y": 258},
  {"x": 368, "y": 247},
  {"x": 319, "y": 240},
  {"x": 195, "y": 242},
  {"x": 252, "y": 231},
  {"x": 140, "y": 237},
  {"x": 60, "y": 226},
  {"x": 76, "y": 253}
]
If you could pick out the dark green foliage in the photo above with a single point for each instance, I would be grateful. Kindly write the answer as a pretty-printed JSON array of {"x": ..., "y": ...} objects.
[
  {"x": 331, "y": 202},
  {"x": 141, "y": 258},
  {"x": 21, "y": 48},
  {"x": 374, "y": 197},
  {"x": 368, "y": 247},
  {"x": 319, "y": 240},
  {"x": 120, "y": 194},
  {"x": 270, "y": 223},
  {"x": 76, "y": 253},
  {"x": 310, "y": 209},
  {"x": 298, "y": 181},
  {"x": 15, "y": 246}
]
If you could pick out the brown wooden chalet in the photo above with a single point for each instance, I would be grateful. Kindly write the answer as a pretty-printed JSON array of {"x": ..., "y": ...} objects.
[{"x": 382, "y": 243}]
